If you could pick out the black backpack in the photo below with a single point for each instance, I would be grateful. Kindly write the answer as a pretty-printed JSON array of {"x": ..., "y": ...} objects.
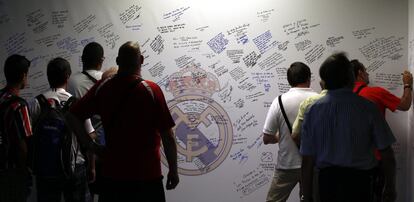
[
  {"x": 53, "y": 155},
  {"x": 5, "y": 160}
]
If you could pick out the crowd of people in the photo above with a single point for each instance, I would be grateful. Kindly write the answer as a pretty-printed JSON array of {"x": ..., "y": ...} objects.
[
  {"x": 339, "y": 146},
  {"x": 100, "y": 133},
  {"x": 92, "y": 133}
]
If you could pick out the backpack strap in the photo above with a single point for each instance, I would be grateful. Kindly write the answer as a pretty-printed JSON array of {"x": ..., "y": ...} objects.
[
  {"x": 360, "y": 88},
  {"x": 284, "y": 113},
  {"x": 89, "y": 76},
  {"x": 69, "y": 103},
  {"x": 44, "y": 104}
]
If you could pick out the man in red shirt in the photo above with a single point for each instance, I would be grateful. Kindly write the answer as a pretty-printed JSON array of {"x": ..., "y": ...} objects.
[
  {"x": 380, "y": 96},
  {"x": 135, "y": 118},
  {"x": 383, "y": 99}
]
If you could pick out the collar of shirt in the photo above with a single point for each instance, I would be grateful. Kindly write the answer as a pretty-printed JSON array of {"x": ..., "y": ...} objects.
[
  {"x": 340, "y": 91},
  {"x": 323, "y": 92},
  {"x": 97, "y": 74},
  {"x": 53, "y": 93},
  {"x": 300, "y": 89},
  {"x": 12, "y": 91},
  {"x": 359, "y": 83}
]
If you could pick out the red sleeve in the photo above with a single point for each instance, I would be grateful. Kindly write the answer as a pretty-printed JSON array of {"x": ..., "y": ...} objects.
[
  {"x": 166, "y": 121},
  {"x": 21, "y": 120},
  {"x": 388, "y": 99},
  {"x": 86, "y": 107}
]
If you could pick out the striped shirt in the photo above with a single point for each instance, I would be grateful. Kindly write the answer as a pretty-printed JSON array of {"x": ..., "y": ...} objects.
[
  {"x": 342, "y": 129},
  {"x": 16, "y": 123}
]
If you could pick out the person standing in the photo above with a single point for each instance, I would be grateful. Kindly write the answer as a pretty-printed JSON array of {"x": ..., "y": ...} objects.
[
  {"x": 384, "y": 100},
  {"x": 278, "y": 129},
  {"x": 15, "y": 132},
  {"x": 49, "y": 143},
  {"x": 339, "y": 134},
  {"x": 136, "y": 120}
]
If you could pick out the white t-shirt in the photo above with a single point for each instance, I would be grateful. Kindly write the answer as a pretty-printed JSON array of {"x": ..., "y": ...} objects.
[
  {"x": 79, "y": 83},
  {"x": 60, "y": 95},
  {"x": 288, "y": 154}
]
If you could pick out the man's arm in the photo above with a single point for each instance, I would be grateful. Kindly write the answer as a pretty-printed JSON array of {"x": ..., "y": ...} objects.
[
  {"x": 308, "y": 163},
  {"x": 270, "y": 139},
  {"x": 406, "y": 98},
  {"x": 388, "y": 166},
  {"x": 170, "y": 150}
]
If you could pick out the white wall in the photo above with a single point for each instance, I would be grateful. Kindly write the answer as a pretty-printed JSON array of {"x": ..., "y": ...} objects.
[
  {"x": 267, "y": 35},
  {"x": 410, "y": 189}
]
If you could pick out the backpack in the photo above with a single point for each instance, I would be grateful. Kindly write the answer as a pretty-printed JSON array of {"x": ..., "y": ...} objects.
[
  {"x": 53, "y": 155},
  {"x": 5, "y": 160}
]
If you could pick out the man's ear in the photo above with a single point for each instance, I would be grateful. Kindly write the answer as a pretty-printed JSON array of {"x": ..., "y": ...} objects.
[
  {"x": 360, "y": 72},
  {"x": 117, "y": 61},
  {"x": 142, "y": 59}
]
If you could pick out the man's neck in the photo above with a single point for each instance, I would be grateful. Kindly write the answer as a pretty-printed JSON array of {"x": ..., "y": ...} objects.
[
  {"x": 302, "y": 86},
  {"x": 62, "y": 86},
  {"x": 136, "y": 72},
  {"x": 96, "y": 68}
]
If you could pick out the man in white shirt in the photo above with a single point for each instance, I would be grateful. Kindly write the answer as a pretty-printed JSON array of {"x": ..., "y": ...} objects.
[
  {"x": 92, "y": 59},
  {"x": 80, "y": 83},
  {"x": 278, "y": 128},
  {"x": 51, "y": 188}
]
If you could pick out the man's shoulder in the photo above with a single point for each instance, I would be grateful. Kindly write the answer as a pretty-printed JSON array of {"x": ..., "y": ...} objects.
[
  {"x": 59, "y": 95},
  {"x": 311, "y": 100},
  {"x": 374, "y": 90},
  {"x": 12, "y": 100}
]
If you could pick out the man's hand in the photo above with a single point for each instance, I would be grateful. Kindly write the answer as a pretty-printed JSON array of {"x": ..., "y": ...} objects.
[
  {"x": 172, "y": 180},
  {"x": 407, "y": 78},
  {"x": 109, "y": 72},
  {"x": 91, "y": 175}
]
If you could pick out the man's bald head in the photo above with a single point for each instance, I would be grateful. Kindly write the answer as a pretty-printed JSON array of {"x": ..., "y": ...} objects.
[{"x": 129, "y": 57}]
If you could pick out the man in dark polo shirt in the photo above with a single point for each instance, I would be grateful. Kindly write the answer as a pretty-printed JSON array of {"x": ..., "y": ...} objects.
[
  {"x": 135, "y": 118},
  {"x": 339, "y": 134}
]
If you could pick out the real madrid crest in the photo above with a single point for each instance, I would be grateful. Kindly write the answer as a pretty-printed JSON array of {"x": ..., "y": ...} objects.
[{"x": 203, "y": 129}]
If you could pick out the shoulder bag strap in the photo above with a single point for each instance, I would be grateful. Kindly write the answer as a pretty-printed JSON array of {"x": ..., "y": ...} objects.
[
  {"x": 284, "y": 113},
  {"x": 89, "y": 76}
]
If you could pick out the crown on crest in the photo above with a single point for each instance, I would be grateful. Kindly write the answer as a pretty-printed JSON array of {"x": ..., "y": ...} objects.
[{"x": 193, "y": 80}]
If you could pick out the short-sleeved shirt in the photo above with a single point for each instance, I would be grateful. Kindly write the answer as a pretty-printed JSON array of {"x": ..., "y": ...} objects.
[
  {"x": 132, "y": 119},
  {"x": 342, "y": 129},
  {"x": 60, "y": 95},
  {"x": 79, "y": 83},
  {"x": 288, "y": 154},
  {"x": 16, "y": 123},
  {"x": 304, "y": 106},
  {"x": 381, "y": 97}
]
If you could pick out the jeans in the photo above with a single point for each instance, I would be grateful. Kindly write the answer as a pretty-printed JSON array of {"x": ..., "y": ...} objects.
[
  {"x": 132, "y": 191},
  {"x": 73, "y": 190},
  {"x": 14, "y": 185},
  {"x": 338, "y": 184}
]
